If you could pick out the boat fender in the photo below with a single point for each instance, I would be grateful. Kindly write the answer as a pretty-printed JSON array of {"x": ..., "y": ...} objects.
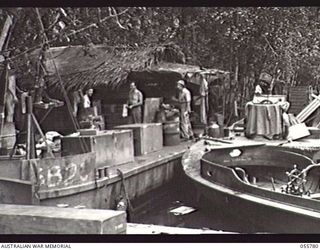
[
  {"x": 122, "y": 204},
  {"x": 125, "y": 199}
]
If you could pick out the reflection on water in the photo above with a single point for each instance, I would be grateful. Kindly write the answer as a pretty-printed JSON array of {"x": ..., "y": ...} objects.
[{"x": 154, "y": 208}]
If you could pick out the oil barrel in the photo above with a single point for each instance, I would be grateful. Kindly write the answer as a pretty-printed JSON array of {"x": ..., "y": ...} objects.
[{"x": 171, "y": 132}]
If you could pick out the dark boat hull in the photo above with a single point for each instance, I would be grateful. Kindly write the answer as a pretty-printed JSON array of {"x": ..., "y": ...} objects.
[
  {"x": 259, "y": 209},
  {"x": 258, "y": 217}
]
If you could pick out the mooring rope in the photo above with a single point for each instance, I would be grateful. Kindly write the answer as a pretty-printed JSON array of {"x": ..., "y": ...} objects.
[{"x": 125, "y": 190}]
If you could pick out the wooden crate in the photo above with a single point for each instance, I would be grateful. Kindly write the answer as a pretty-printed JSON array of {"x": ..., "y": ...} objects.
[
  {"x": 298, "y": 98},
  {"x": 112, "y": 147},
  {"x": 18, "y": 219},
  {"x": 147, "y": 137}
]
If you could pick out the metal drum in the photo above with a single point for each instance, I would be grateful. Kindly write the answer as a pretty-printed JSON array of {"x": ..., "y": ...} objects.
[{"x": 171, "y": 132}]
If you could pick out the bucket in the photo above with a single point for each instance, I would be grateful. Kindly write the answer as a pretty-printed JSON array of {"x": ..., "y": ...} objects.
[{"x": 171, "y": 133}]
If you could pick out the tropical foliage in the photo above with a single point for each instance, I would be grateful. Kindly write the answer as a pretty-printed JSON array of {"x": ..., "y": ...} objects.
[{"x": 282, "y": 41}]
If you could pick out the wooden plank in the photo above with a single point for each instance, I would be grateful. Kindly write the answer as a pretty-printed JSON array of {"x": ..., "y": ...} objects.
[
  {"x": 307, "y": 111},
  {"x": 18, "y": 219},
  {"x": 316, "y": 97}
]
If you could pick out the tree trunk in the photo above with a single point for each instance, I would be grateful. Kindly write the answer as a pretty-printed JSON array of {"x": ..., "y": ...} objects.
[{"x": 5, "y": 31}]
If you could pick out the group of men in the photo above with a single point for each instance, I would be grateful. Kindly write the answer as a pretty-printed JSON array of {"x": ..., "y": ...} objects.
[
  {"x": 135, "y": 102},
  {"x": 183, "y": 99}
]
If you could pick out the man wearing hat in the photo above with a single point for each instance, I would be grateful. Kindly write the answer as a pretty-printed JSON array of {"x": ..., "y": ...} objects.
[
  {"x": 265, "y": 81},
  {"x": 184, "y": 100}
]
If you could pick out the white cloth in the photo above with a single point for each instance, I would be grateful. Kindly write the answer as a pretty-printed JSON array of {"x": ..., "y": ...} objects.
[
  {"x": 124, "y": 110},
  {"x": 258, "y": 90}
]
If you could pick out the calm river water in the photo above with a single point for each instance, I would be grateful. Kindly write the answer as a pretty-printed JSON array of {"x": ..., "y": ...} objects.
[{"x": 154, "y": 208}]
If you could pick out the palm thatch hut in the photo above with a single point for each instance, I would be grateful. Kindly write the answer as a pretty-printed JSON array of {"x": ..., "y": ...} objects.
[
  {"x": 155, "y": 69},
  {"x": 93, "y": 66},
  {"x": 111, "y": 68}
]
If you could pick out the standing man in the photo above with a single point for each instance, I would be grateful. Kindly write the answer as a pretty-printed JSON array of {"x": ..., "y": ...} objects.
[
  {"x": 135, "y": 102},
  {"x": 86, "y": 98},
  {"x": 184, "y": 99},
  {"x": 84, "y": 110}
]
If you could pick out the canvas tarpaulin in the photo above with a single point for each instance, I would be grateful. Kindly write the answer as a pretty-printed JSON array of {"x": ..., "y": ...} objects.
[{"x": 263, "y": 119}]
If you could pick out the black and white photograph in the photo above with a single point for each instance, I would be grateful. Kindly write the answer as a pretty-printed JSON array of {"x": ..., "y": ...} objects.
[{"x": 160, "y": 120}]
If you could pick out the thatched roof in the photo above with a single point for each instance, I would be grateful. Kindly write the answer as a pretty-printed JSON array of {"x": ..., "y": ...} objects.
[
  {"x": 93, "y": 66},
  {"x": 82, "y": 67},
  {"x": 163, "y": 71},
  {"x": 174, "y": 71}
]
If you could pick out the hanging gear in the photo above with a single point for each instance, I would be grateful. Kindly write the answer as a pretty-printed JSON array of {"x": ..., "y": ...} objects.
[{"x": 124, "y": 202}]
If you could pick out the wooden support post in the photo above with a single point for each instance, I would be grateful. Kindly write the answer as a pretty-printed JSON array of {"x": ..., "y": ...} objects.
[{"x": 30, "y": 135}]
